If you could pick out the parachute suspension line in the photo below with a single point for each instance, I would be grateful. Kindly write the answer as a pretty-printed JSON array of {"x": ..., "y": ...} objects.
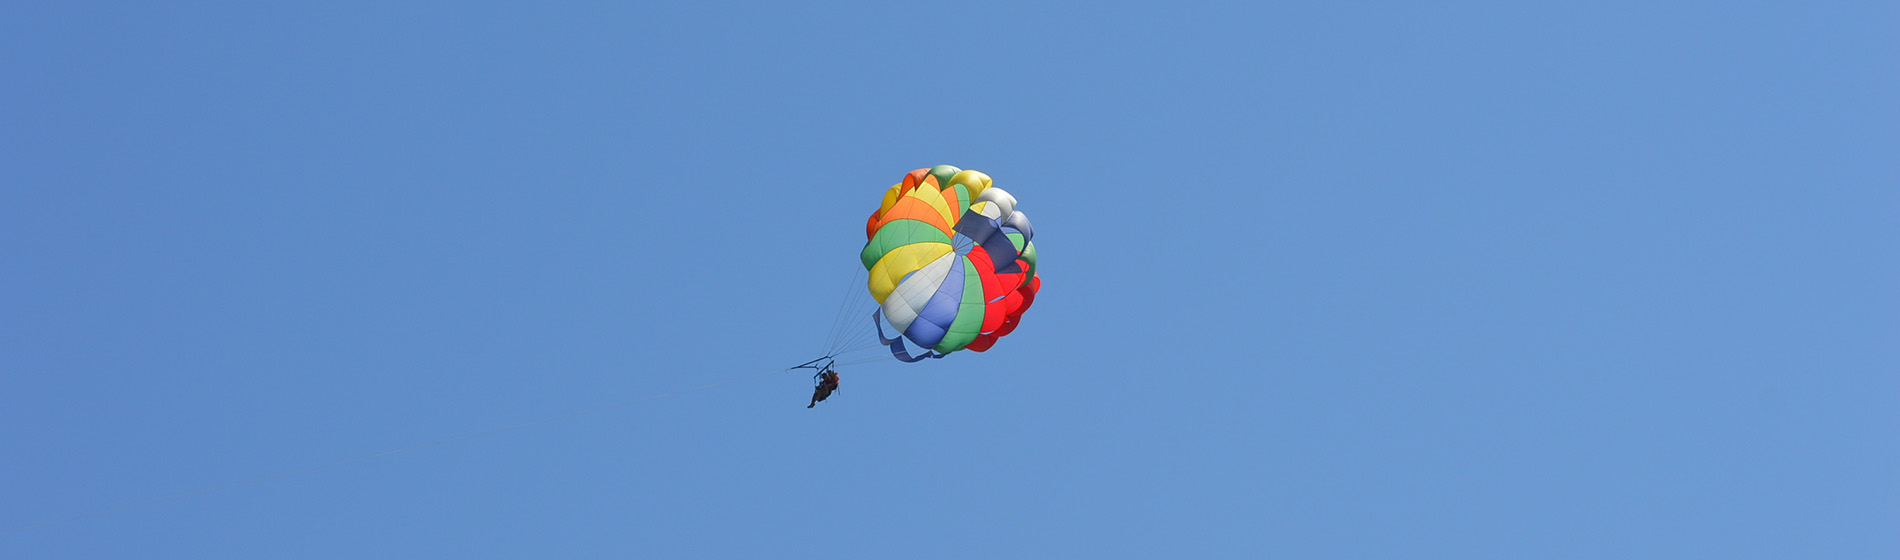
[
  {"x": 869, "y": 333},
  {"x": 837, "y": 321},
  {"x": 861, "y": 360},
  {"x": 842, "y": 320},
  {"x": 856, "y": 353},
  {"x": 845, "y": 330},
  {"x": 846, "y": 336},
  {"x": 416, "y": 447},
  {"x": 862, "y": 340},
  {"x": 859, "y": 334},
  {"x": 860, "y": 298},
  {"x": 854, "y": 335},
  {"x": 850, "y": 339},
  {"x": 869, "y": 344},
  {"x": 860, "y": 337}
]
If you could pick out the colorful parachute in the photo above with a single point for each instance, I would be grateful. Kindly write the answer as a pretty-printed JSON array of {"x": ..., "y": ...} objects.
[{"x": 951, "y": 262}]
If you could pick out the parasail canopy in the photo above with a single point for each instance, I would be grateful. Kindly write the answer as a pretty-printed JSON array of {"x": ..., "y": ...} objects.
[{"x": 951, "y": 262}]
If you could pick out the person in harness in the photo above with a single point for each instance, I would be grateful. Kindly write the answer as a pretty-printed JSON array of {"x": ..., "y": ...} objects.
[{"x": 827, "y": 382}]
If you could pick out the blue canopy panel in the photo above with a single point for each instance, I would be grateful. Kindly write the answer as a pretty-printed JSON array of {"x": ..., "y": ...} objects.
[{"x": 897, "y": 344}]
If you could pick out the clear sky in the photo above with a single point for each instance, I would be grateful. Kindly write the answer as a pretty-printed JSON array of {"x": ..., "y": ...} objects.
[{"x": 1327, "y": 280}]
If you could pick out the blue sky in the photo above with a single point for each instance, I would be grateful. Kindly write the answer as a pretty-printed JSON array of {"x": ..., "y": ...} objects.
[{"x": 1602, "y": 280}]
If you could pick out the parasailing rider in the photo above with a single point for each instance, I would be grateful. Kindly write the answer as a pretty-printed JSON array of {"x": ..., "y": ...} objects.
[{"x": 827, "y": 382}]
